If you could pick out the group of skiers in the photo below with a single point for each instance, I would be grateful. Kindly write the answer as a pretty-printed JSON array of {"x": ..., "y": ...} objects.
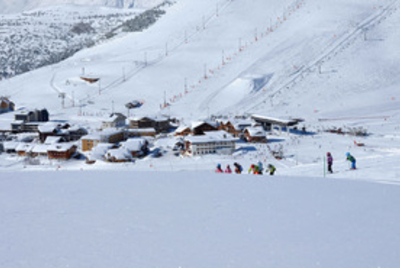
[
  {"x": 349, "y": 157},
  {"x": 254, "y": 169},
  {"x": 258, "y": 169}
]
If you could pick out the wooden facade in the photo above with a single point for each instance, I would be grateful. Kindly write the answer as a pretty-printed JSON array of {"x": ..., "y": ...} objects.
[
  {"x": 183, "y": 131},
  {"x": 254, "y": 136},
  {"x": 61, "y": 152},
  {"x": 230, "y": 128},
  {"x": 90, "y": 141},
  {"x": 200, "y": 129},
  {"x": 160, "y": 125}
]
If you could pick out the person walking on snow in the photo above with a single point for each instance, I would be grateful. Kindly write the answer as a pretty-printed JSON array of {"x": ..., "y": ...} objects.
[
  {"x": 329, "y": 160},
  {"x": 271, "y": 169},
  {"x": 228, "y": 169},
  {"x": 219, "y": 169},
  {"x": 352, "y": 160}
]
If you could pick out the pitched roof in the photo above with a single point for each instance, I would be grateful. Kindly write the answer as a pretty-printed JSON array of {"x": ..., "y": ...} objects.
[
  {"x": 256, "y": 131},
  {"x": 115, "y": 117},
  {"x": 39, "y": 148},
  {"x": 102, "y": 134},
  {"x": 119, "y": 153},
  {"x": 24, "y": 147},
  {"x": 52, "y": 140},
  {"x": 181, "y": 129},
  {"x": 60, "y": 147},
  {"x": 133, "y": 145},
  {"x": 141, "y": 130},
  {"x": 48, "y": 127},
  {"x": 212, "y": 136}
]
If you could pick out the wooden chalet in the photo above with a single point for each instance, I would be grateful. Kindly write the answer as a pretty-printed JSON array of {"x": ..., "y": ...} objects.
[
  {"x": 6, "y": 105},
  {"x": 23, "y": 149},
  {"x": 183, "y": 131},
  {"x": 65, "y": 131},
  {"x": 105, "y": 136},
  {"x": 160, "y": 124},
  {"x": 118, "y": 155},
  {"x": 61, "y": 151},
  {"x": 39, "y": 150},
  {"x": 142, "y": 132},
  {"x": 136, "y": 147},
  {"x": 255, "y": 134},
  {"x": 115, "y": 120},
  {"x": 199, "y": 128},
  {"x": 231, "y": 128}
]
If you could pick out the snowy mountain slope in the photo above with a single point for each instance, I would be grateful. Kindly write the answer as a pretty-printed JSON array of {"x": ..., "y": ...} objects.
[
  {"x": 194, "y": 219},
  {"x": 314, "y": 64},
  {"x": 18, "y": 6},
  {"x": 47, "y": 36}
]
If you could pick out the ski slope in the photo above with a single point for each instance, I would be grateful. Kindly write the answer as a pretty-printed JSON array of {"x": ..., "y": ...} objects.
[
  {"x": 334, "y": 64},
  {"x": 187, "y": 219},
  {"x": 219, "y": 47}
]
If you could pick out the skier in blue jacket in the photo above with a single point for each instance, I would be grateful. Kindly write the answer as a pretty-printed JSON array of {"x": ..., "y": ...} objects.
[{"x": 351, "y": 158}]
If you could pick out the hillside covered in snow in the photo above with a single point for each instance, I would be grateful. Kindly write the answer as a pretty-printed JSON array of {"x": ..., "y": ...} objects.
[
  {"x": 331, "y": 64},
  {"x": 49, "y": 35},
  {"x": 18, "y": 6}
]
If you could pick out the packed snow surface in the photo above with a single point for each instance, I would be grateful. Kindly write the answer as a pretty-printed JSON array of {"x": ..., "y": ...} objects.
[
  {"x": 195, "y": 219},
  {"x": 333, "y": 63}
]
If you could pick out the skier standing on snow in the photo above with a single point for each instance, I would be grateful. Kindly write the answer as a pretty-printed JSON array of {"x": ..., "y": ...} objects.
[
  {"x": 253, "y": 169},
  {"x": 238, "y": 168},
  {"x": 219, "y": 169},
  {"x": 271, "y": 169},
  {"x": 260, "y": 168},
  {"x": 352, "y": 160},
  {"x": 329, "y": 160},
  {"x": 228, "y": 169}
]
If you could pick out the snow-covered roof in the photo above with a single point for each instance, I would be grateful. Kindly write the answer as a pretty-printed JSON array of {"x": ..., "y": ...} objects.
[
  {"x": 17, "y": 122},
  {"x": 52, "y": 140},
  {"x": 102, "y": 134},
  {"x": 26, "y": 136},
  {"x": 157, "y": 118},
  {"x": 141, "y": 130},
  {"x": 272, "y": 119},
  {"x": 47, "y": 127},
  {"x": 39, "y": 148},
  {"x": 24, "y": 147},
  {"x": 10, "y": 145},
  {"x": 211, "y": 136},
  {"x": 6, "y": 100},
  {"x": 60, "y": 147},
  {"x": 181, "y": 128},
  {"x": 75, "y": 128},
  {"x": 199, "y": 123},
  {"x": 119, "y": 153},
  {"x": 133, "y": 145},
  {"x": 256, "y": 131},
  {"x": 114, "y": 117},
  {"x": 99, "y": 151}
]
